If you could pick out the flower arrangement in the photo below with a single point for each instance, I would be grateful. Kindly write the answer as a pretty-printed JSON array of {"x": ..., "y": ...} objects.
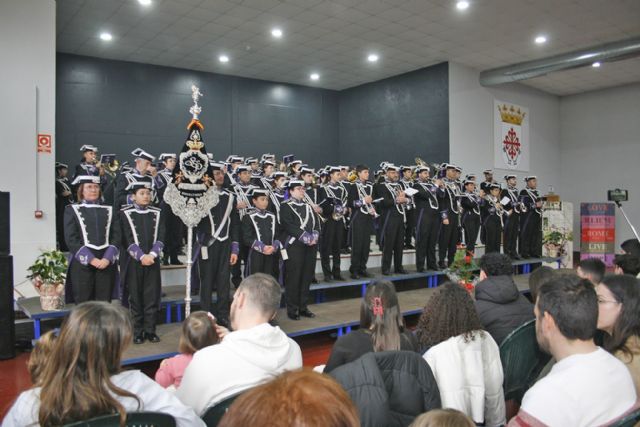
[
  {"x": 48, "y": 274},
  {"x": 464, "y": 269}
]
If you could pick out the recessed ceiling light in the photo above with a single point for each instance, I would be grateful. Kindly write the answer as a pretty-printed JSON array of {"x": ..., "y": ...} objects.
[
  {"x": 462, "y": 5},
  {"x": 106, "y": 36},
  {"x": 144, "y": 2},
  {"x": 314, "y": 76},
  {"x": 276, "y": 32},
  {"x": 540, "y": 39},
  {"x": 223, "y": 58},
  {"x": 373, "y": 57},
  {"x": 595, "y": 64}
]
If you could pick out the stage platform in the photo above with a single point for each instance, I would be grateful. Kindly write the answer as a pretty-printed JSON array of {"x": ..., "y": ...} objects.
[{"x": 337, "y": 316}]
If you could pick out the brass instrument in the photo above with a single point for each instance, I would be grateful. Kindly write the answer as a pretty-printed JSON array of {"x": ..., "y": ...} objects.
[
  {"x": 308, "y": 200},
  {"x": 353, "y": 176},
  {"x": 371, "y": 210}
]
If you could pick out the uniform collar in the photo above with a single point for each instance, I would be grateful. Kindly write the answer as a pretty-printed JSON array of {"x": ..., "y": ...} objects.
[{"x": 90, "y": 202}]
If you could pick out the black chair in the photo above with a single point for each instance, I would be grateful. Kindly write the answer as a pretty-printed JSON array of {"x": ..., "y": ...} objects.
[
  {"x": 522, "y": 360},
  {"x": 215, "y": 413},
  {"x": 629, "y": 421},
  {"x": 134, "y": 419}
]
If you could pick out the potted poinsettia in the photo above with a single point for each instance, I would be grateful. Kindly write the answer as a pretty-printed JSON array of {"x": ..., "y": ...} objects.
[
  {"x": 48, "y": 274},
  {"x": 463, "y": 270}
]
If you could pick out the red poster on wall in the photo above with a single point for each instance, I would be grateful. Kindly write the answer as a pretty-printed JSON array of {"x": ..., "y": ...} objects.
[
  {"x": 44, "y": 143},
  {"x": 598, "y": 231}
]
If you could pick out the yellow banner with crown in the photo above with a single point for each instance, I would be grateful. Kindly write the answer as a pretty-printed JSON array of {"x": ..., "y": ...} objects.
[{"x": 511, "y": 136}]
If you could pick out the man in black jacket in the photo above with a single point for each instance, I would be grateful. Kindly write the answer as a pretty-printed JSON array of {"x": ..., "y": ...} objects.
[{"x": 500, "y": 306}]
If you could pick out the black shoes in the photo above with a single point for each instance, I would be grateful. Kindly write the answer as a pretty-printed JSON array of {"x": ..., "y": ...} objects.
[
  {"x": 151, "y": 337},
  {"x": 409, "y": 246},
  {"x": 354, "y": 276},
  {"x": 364, "y": 273},
  {"x": 338, "y": 277},
  {"x": 293, "y": 315},
  {"x": 328, "y": 278},
  {"x": 386, "y": 273},
  {"x": 401, "y": 271},
  {"x": 138, "y": 339},
  {"x": 176, "y": 262},
  {"x": 442, "y": 265},
  {"x": 307, "y": 313},
  {"x": 314, "y": 280},
  {"x": 421, "y": 270}
]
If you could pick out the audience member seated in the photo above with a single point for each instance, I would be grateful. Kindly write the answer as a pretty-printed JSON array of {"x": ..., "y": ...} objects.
[
  {"x": 382, "y": 328},
  {"x": 587, "y": 386},
  {"x": 464, "y": 359},
  {"x": 539, "y": 276},
  {"x": 631, "y": 246},
  {"x": 627, "y": 264},
  {"x": 293, "y": 399},
  {"x": 591, "y": 269},
  {"x": 501, "y": 307},
  {"x": 618, "y": 307},
  {"x": 40, "y": 355},
  {"x": 254, "y": 352},
  {"x": 389, "y": 388},
  {"x": 83, "y": 379},
  {"x": 198, "y": 332},
  {"x": 443, "y": 418}
]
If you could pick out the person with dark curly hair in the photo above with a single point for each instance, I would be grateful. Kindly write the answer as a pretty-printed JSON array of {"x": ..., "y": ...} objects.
[
  {"x": 627, "y": 264},
  {"x": 465, "y": 360},
  {"x": 501, "y": 307}
]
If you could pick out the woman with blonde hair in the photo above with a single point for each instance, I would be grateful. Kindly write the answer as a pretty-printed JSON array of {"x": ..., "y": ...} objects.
[{"x": 83, "y": 378}]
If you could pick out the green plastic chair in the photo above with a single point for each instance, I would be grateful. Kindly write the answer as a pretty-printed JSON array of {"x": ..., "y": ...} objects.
[
  {"x": 629, "y": 421},
  {"x": 134, "y": 419},
  {"x": 215, "y": 413},
  {"x": 522, "y": 360}
]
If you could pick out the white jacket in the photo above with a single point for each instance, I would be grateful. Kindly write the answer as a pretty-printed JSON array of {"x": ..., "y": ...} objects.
[
  {"x": 469, "y": 376},
  {"x": 242, "y": 360}
]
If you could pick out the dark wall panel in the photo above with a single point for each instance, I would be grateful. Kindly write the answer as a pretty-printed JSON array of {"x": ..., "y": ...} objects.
[
  {"x": 397, "y": 119},
  {"x": 119, "y": 106}
]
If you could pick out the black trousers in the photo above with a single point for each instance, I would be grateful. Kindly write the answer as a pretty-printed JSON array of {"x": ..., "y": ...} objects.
[
  {"x": 449, "y": 237},
  {"x": 91, "y": 284},
  {"x": 236, "y": 269},
  {"x": 426, "y": 238},
  {"x": 144, "y": 285},
  {"x": 261, "y": 263},
  {"x": 493, "y": 234},
  {"x": 471, "y": 226},
  {"x": 333, "y": 235},
  {"x": 361, "y": 229},
  {"x": 173, "y": 235},
  {"x": 392, "y": 241},
  {"x": 410, "y": 226},
  {"x": 531, "y": 235},
  {"x": 298, "y": 272},
  {"x": 214, "y": 274},
  {"x": 510, "y": 237}
]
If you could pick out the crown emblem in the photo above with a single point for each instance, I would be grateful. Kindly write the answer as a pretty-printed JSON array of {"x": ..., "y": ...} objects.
[{"x": 511, "y": 115}]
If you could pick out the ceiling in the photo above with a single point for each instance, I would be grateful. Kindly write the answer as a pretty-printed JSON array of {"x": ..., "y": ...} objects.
[{"x": 334, "y": 37}]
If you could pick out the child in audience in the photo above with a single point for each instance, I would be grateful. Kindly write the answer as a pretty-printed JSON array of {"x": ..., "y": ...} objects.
[
  {"x": 592, "y": 269},
  {"x": 40, "y": 356},
  {"x": 539, "y": 276},
  {"x": 618, "y": 305},
  {"x": 465, "y": 360},
  {"x": 293, "y": 399},
  {"x": 83, "y": 378},
  {"x": 198, "y": 331},
  {"x": 382, "y": 328},
  {"x": 443, "y": 418}
]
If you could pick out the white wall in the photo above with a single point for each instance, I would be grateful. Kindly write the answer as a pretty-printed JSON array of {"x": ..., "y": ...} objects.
[
  {"x": 600, "y": 150},
  {"x": 27, "y": 52},
  {"x": 471, "y": 118}
]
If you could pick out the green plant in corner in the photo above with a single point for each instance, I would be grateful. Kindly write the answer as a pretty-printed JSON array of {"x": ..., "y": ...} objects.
[{"x": 49, "y": 267}]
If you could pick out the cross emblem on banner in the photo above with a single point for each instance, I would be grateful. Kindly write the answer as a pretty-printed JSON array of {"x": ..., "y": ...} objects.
[{"x": 511, "y": 146}]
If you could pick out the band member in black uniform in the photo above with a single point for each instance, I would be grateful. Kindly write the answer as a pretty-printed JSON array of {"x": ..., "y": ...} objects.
[
  {"x": 301, "y": 230},
  {"x": 531, "y": 220},
  {"x": 278, "y": 193},
  {"x": 260, "y": 231},
  {"x": 218, "y": 235},
  {"x": 263, "y": 180},
  {"x": 334, "y": 203},
  {"x": 450, "y": 214},
  {"x": 470, "y": 202},
  {"x": 254, "y": 167},
  {"x": 488, "y": 180},
  {"x": 139, "y": 174},
  {"x": 92, "y": 235},
  {"x": 428, "y": 218},
  {"x": 361, "y": 226},
  {"x": 142, "y": 229},
  {"x": 410, "y": 226},
  {"x": 174, "y": 227},
  {"x": 493, "y": 212},
  {"x": 241, "y": 190},
  {"x": 511, "y": 217},
  {"x": 64, "y": 197},
  {"x": 89, "y": 166},
  {"x": 293, "y": 166},
  {"x": 393, "y": 218}
]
